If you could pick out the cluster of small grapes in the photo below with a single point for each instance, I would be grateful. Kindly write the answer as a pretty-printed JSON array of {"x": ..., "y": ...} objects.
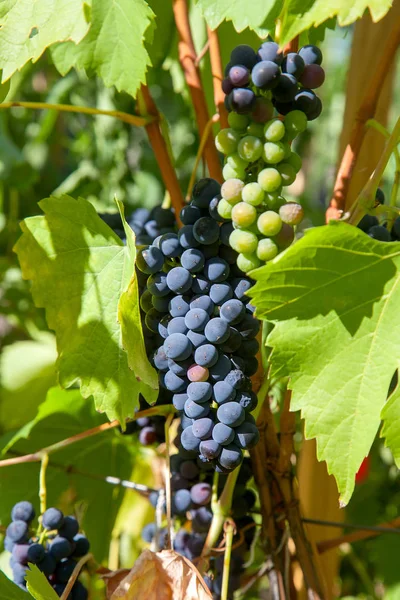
[
  {"x": 55, "y": 553},
  {"x": 195, "y": 300},
  {"x": 256, "y": 81},
  {"x": 370, "y": 224}
]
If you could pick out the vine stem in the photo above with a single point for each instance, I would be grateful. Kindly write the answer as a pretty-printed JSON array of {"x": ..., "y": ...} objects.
[
  {"x": 168, "y": 480},
  {"x": 74, "y": 576},
  {"x": 187, "y": 58},
  {"x": 38, "y": 455},
  {"x": 137, "y": 121},
  {"x": 229, "y": 529},
  {"x": 366, "y": 111},
  {"x": 157, "y": 140},
  {"x": 214, "y": 119},
  {"x": 42, "y": 483},
  {"x": 217, "y": 75}
]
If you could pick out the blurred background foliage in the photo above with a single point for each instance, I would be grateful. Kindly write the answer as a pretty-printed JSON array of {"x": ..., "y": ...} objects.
[{"x": 100, "y": 158}]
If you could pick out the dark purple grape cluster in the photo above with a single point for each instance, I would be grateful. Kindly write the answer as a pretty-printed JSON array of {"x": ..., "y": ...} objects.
[
  {"x": 146, "y": 224},
  {"x": 379, "y": 231},
  {"x": 55, "y": 553},
  {"x": 195, "y": 303},
  {"x": 255, "y": 79}
]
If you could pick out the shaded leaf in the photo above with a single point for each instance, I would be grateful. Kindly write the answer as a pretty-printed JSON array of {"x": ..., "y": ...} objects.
[
  {"x": 79, "y": 268},
  {"x": 9, "y": 590},
  {"x": 391, "y": 424},
  {"x": 334, "y": 298},
  {"x": 38, "y": 585},
  {"x": 27, "y": 28},
  {"x": 163, "y": 575},
  {"x": 260, "y": 15}
]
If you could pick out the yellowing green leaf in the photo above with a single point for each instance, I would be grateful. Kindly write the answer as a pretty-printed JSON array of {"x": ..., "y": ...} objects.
[
  {"x": 391, "y": 424},
  {"x": 9, "y": 590},
  {"x": 259, "y": 15},
  {"x": 79, "y": 269},
  {"x": 334, "y": 299},
  {"x": 28, "y": 27},
  {"x": 38, "y": 585}
]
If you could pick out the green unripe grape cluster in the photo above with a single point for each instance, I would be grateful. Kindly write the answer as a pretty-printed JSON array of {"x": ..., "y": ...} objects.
[{"x": 259, "y": 163}]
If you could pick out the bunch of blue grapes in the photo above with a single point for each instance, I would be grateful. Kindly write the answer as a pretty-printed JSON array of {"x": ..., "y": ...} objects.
[
  {"x": 379, "y": 230},
  {"x": 258, "y": 159},
  {"x": 196, "y": 303},
  {"x": 55, "y": 551},
  {"x": 257, "y": 82}
]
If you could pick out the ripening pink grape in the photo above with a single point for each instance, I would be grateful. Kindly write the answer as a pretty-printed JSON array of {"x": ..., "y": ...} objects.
[{"x": 197, "y": 373}]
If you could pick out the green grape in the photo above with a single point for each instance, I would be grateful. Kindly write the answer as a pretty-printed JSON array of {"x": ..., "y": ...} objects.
[
  {"x": 266, "y": 249},
  {"x": 235, "y": 161},
  {"x": 243, "y": 241},
  {"x": 238, "y": 122},
  {"x": 247, "y": 262},
  {"x": 273, "y": 152},
  {"x": 231, "y": 190},
  {"x": 287, "y": 149},
  {"x": 252, "y": 228},
  {"x": 274, "y": 201},
  {"x": 291, "y": 213},
  {"x": 256, "y": 129},
  {"x": 269, "y": 223},
  {"x": 287, "y": 172},
  {"x": 269, "y": 179},
  {"x": 294, "y": 160},
  {"x": 224, "y": 209},
  {"x": 243, "y": 214},
  {"x": 295, "y": 122},
  {"x": 274, "y": 130},
  {"x": 250, "y": 148},
  {"x": 253, "y": 194},
  {"x": 229, "y": 172},
  {"x": 227, "y": 141}
]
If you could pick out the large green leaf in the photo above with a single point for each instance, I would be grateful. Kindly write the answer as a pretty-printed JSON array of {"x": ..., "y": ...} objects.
[
  {"x": 259, "y": 15},
  {"x": 75, "y": 475},
  {"x": 27, "y": 371},
  {"x": 79, "y": 268},
  {"x": 38, "y": 585},
  {"x": 334, "y": 299},
  {"x": 9, "y": 590},
  {"x": 391, "y": 424},
  {"x": 114, "y": 47},
  {"x": 27, "y": 28}
]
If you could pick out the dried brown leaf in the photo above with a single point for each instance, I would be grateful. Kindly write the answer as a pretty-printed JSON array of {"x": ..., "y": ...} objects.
[
  {"x": 112, "y": 579},
  {"x": 163, "y": 575}
]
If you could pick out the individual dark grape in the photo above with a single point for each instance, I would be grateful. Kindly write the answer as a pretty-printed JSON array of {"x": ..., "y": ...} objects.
[
  {"x": 311, "y": 55},
  {"x": 313, "y": 76},
  {"x": 199, "y": 391},
  {"x": 201, "y": 493},
  {"x": 213, "y": 209},
  {"x": 163, "y": 326},
  {"x": 164, "y": 217},
  {"x": 315, "y": 112},
  {"x": 225, "y": 232},
  {"x": 179, "y": 280},
  {"x": 161, "y": 304},
  {"x": 173, "y": 382},
  {"x": 196, "y": 319},
  {"x": 204, "y": 191},
  {"x": 189, "y": 469},
  {"x": 149, "y": 260},
  {"x": 266, "y": 74},
  {"x": 193, "y": 410},
  {"x": 64, "y": 570},
  {"x": 206, "y": 231},
  {"x": 23, "y": 511},
  {"x": 248, "y": 400},
  {"x": 48, "y": 564},
  {"x": 192, "y": 260},
  {"x": 202, "y": 516},
  {"x": 220, "y": 370},
  {"x": 378, "y": 232},
  {"x": 242, "y": 100},
  {"x": 223, "y": 434},
  {"x": 195, "y": 546},
  {"x": 203, "y": 427},
  {"x": 239, "y": 75},
  {"x": 220, "y": 293},
  {"x": 293, "y": 64},
  {"x": 188, "y": 440},
  {"x": 395, "y": 229},
  {"x": 210, "y": 449},
  {"x": 367, "y": 222},
  {"x": 196, "y": 373},
  {"x": 20, "y": 553},
  {"x": 217, "y": 331},
  {"x": 17, "y": 531},
  {"x": 82, "y": 545},
  {"x": 232, "y": 311},
  {"x": 178, "y": 306},
  {"x": 211, "y": 251},
  {"x": 178, "y": 400},
  {"x": 169, "y": 245},
  {"x": 69, "y": 528},
  {"x": 230, "y": 457},
  {"x": 233, "y": 342},
  {"x": 306, "y": 101},
  {"x": 190, "y": 214},
  {"x": 152, "y": 229},
  {"x": 186, "y": 237},
  {"x": 147, "y": 436},
  {"x": 203, "y": 302},
  {"x": 36, "y": 553},
  {"x": 249, "y": 327},
  {"x": 149, "y": 532},
  {"x": 216, "y": 270},
  {"x": 157, "y": 285},
  {"x": 231, "y": 413},
  {"x": 223, "y": 392},
  {"x": 181, "y": 502},
  {"x": 181, "y": 539},
  {"x": 177, "y": 346},
  {"x": 179, "y": 367},
  {"x": 380, "y": 196},
  {"x": 177, "y": 325},
  {"x": 249, "y": 347},
  {"x": 270, "y": 51},
  {"x": 227, "y": 85},
  {"x": 286, "y": 88},
  {"x": 60, "y": 548},
  {"x": 246, "y": 436},
  {"x": 152, "y": 320},
  {"x": 19, "y": 573},
  {"x": 243, "y": 55},
  {"x": 79, "y": 592},
  {"x": 206, "y": 355},
  {"x": 200, "y": 285},
  {"x": 236, "y": 378},
  {"x": 160, "y": 359}
]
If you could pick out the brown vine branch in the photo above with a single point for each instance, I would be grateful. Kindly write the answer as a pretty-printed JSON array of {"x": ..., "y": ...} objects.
[
  {"x": 38, "y": 455},
  {"x": 217, "y": 75},
  {"x": 162, "y": 155},
  {"x": 202, "y": 53},
  {"x": 355, "y": 536},
  {"x": 86, "y": 110},
  {"x": 292, "y": 46},
  {"x": 187, "y": 58},
  {"x": 200, "y": 151},
  {"x": 287, "y": 430},
  {"x": 366, "y": 111},
  {"x": 75, "y": 574}
]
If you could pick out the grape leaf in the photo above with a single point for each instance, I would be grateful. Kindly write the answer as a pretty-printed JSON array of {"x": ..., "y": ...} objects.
[
  {"x": 38, "y": 585},
  {"x": 391, "y": 424},
  {"x": 27, "y": 28},
  {"x": 79, "y": 268},
  {"x": 333, "y": 297},
  {"x": 9, "y": 590},
  {"x": 114, "y": 46},
  {"x": 260, "y": 15},
  {"x": 76, "y": 473}
]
